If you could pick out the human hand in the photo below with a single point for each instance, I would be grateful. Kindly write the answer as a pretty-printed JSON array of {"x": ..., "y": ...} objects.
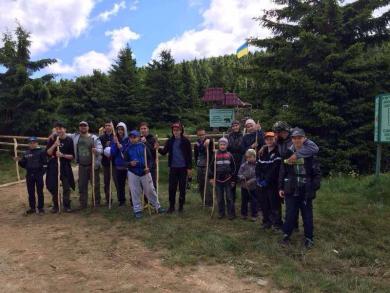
[{"x": 281, "y": 193}]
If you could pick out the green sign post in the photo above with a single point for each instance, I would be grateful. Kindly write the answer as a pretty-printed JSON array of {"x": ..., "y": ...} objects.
[
  {"x": 221, "y": 117},
  {"x": 382, "y": 126}
]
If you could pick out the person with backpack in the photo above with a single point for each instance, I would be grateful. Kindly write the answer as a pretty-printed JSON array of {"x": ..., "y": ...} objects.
[
  {"x": 298, "y": 183},
  {"x": 34, "y": 160}
]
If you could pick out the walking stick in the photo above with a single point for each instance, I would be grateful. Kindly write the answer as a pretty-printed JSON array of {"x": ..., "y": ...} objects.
[
  {"x": 206, "y": 176},
  {"x": 110, "y": 194},
  {"x": 215, "y": 179},
  {"x": 17, "y": 171},
  {"x": 93, "y": 179},
  {"x": 58, "y": 176},
  {"x": 146, "y": 166},
  {"x": 157, "y": 168}
]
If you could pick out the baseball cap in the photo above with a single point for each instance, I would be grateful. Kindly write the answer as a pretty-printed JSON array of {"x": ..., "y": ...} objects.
[
  {"x": 297, "y": 132},
  {"x": 32, "y": 139},
  {"x": 269, "y": 134},
  {"x": 83, "y": 123},
  {"x": 134, "y": 133}
]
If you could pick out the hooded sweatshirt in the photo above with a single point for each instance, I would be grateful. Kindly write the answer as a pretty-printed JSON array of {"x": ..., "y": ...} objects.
[
  {"x": 118, "y": 154},
  {"x": 136, "y": 152}
]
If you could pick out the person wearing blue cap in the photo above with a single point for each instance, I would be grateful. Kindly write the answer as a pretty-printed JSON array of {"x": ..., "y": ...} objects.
[
  {"x": 139, "y": 157},
  {"x": 34, "y": 160}
]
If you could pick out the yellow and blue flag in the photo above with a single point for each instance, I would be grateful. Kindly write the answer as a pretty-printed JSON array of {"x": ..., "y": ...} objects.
[{"x": 242, "y": 51}]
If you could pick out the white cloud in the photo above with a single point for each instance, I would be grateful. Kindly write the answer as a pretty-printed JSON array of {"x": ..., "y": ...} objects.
[
  {"x": 226, "y": 24},
  {"x": 86, "y": 63},
  {"x": 106, "y": 15},
  {"x": 50, "y": 22},
  {"x": 134, "y": 5}
]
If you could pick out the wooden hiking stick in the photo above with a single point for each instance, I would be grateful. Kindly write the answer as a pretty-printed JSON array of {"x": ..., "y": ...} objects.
[
  {"x": 110, "y": 194},
  {"x": 157, "y": 168},
  {"x": 58, "y": 176},
  {"x": 146, "y": 167},
  {"x": 17, "y": 171},
  {"x": 206, "y": 178},
  {"x": 93, "y": 179},
  {"x": 215, "y": 179}
]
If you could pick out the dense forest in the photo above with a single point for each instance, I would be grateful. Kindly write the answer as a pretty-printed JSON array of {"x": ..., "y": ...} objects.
[{"x": 321, "y": 70}]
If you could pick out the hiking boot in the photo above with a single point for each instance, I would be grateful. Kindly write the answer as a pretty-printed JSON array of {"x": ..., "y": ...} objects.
[
  {"x": 30, "y": 211},
  {"x": 138, "y": 215},
  {"x": 285, "y": 241},
  {"x": 309, "y": 243},
  {"x": 41, "y": 211},
  {"x": 54, "y": 210},
  {"x": 161, "y": 210}
]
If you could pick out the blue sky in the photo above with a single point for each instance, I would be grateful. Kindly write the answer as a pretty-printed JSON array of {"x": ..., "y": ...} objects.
[{"x": 87, "y": 34}]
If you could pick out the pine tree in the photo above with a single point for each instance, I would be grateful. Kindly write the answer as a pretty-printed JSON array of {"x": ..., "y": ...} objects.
[
  {"x": 318, "y": 74},
  {"x": 23, "y": 100}
]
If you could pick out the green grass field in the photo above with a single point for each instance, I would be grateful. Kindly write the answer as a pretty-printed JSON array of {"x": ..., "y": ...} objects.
[
  {"x": 8, "y": 169},
  {"x": 352, "y": 239}
]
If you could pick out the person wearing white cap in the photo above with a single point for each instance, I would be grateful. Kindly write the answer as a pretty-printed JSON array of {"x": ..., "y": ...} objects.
[{"x": 254, "y": 138}]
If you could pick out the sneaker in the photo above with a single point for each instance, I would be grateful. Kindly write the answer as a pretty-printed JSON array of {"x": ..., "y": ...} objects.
[
  {"x": 161, "y": 210},
  {"x": 41, "y": 211},
  {"x": 30, "y": 211},
  {"x": 54, "y": 210},
  {"x": 309, "y": 243},
  {"x": 67, "y": 210},
  {"x": 285, "y": 241},
  {"x": 171, "y": 210},
  {"x": 138, "y": 215}
]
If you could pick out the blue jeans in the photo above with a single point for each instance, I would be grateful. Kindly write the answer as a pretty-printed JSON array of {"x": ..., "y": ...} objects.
[
  {"x": 225, "y": 190},
  {"x": 294, "y": 204}
]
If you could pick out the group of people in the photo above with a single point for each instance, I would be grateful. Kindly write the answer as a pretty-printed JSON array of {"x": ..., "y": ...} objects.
[{"x": 271, "y": 168}]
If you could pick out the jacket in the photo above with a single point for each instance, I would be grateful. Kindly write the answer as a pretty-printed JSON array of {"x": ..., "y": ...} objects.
[
  {"x": 267, "y": 168},
  {"x": 150, "y": 141},
  {"x": 309, "y": 147},
  {"x": 306, "y": 174},
  {"x": 234, "y": 146},
  {"x": 185, "y": 147},
  {"x": 97, "y": 144},
  {"x": 136, "y": 152},
  {"x": 106, "y": 140},
  {"x": 247, "y": 174},
  {"x": 117, "y": 155},
  {"x": 225, "y": 167},
  {"x": 250, "y": 138},
  {"x": 34, "y": 160},
  {"x": 200, "y": 152}
]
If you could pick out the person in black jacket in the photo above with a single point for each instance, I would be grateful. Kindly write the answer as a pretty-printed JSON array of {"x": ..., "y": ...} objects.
[
  {"x": 106, "y": 139},
  {"x": 234, "y": 147},
  {"x": 34, "y": 160},
  {"x": 151, "y": 143},
  {"x": 298, "y": 183},
  {"x": 224, "y": 179},
  {"x": 200, "y": 154},
  {"x": 66, "y": 155},
  {"x": 267, "y": 178},
  {"x": 180, "y": 164}
]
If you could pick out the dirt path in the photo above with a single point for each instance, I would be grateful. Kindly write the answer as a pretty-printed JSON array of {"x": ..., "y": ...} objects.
[{"x": 75, "y": 253}]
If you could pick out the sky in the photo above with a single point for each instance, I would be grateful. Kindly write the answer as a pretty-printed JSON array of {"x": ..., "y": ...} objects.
[{"x": 87, "y": 34}]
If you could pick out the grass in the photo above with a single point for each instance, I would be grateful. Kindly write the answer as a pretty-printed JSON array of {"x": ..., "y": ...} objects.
[
  {"x": 8, "y": 169},
  {"x": 351, "y": 253}
]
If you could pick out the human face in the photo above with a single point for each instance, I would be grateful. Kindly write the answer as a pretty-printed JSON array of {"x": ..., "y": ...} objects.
[
  {"x": 250, "y": 159},
  {"x": 176, "y": 132},
  {"x": 222, "y": 146},
  {"x": 83, "y": 129},
  {"x": 269, "y": 141},
  {"x": 32, "y": 145},
  {"x": 121, "y": 131},
  {"x": 134, "y": 139},
  {"x": 298, "y": 141},
  {"x": 236, "y": 127},
  {"x": 61, "y": 131},
  {"x": 250, "y": 127},
  {"x": 108, "y": 128},
  {"x": 201, "y": 134},
  {"x": 282, "y": 134},
  {"x": 144, "y": 130}
]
